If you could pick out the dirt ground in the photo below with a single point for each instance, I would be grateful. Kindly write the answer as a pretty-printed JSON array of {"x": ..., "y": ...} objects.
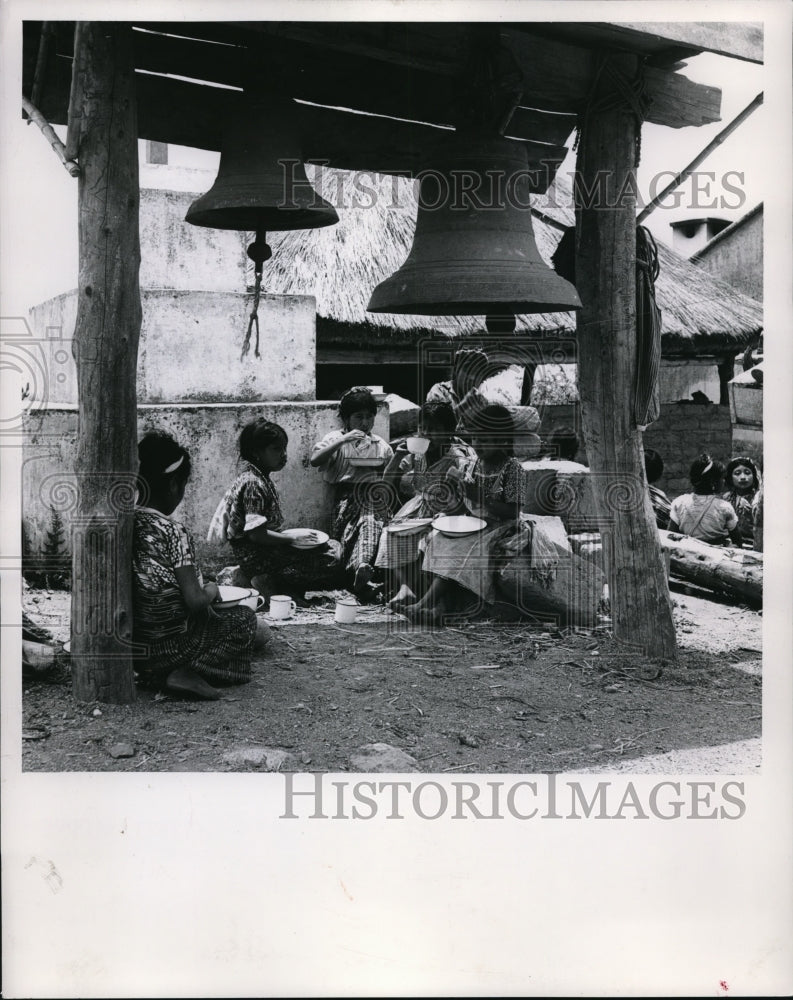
[{"x": 476, "y": 698}]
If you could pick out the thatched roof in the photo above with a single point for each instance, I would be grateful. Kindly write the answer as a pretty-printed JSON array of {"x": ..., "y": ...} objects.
[{"x": 341, "y": 264}]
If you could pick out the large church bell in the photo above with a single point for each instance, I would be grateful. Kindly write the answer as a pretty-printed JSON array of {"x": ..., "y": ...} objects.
[
  {"x": 474, "y": 251},
  {"x": 261, "y": 183}
]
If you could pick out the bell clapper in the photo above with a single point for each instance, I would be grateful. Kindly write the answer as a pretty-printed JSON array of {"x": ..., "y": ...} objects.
[{"x": 259, "y": 251}]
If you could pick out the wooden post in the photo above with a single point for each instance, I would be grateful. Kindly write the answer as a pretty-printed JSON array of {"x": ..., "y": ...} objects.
[
  {"x": 606, "y": 330},
  {"x": 106, "y": 352}
]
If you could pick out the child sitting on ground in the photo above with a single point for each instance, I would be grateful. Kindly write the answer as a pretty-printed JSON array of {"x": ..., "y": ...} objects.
[
  {"x": 463, "y": 568},
  {"x": 702, "y": 514},
  {"x": 743, "y": 483},
  {"x": 352, "y": 460},
  {"x": 186, "y": 643},
  {"x": 425, "y": 483},
  {"x": 249, "y": 517}
]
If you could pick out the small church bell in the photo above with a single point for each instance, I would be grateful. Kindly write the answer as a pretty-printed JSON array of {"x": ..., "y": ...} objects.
[
  {"x": 261, "y": 184},
  {"x": 474, "y": 251}
]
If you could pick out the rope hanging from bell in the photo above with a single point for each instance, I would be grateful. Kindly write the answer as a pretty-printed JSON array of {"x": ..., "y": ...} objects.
[{"x": 259, "y": 251}]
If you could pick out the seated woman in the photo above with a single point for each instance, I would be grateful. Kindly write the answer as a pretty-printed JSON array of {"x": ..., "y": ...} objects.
[
  {"x": 249, "y": 517},
  {"x": 702, "y": 514},
  {"x": 743, "y": 484},
  {"x": 424, "y": 482},
  {"x": 188, "y": 646},
  {"x": 464, "y": 568},
  {"x": 352, "y": 460}
]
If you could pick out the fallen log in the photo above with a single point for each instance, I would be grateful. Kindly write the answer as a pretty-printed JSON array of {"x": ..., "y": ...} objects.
[{"x": 733, "y": 571}]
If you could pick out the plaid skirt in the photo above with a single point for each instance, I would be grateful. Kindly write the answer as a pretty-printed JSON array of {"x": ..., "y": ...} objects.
[
  {"x": 358, "y": 521},
  {"x": 396, "y": 549},
  {"x": 300, "y": 568},
  {"x": 217, "y": 645}
]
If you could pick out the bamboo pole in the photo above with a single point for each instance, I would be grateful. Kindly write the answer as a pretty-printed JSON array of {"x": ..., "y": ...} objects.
[
  {"x": 606, "y": 331},
  {"x": 48, "y": 131},
  {"x": 686, "y": 172},
  {"x": 106, "y": 350}
]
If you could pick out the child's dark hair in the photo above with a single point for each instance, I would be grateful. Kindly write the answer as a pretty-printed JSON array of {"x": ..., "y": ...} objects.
[
  {"x": 653, "y": 465},
  {"x": 494, "y": 421},
  {"x": 734, "y": 463},
  {"x": 439, "y": 413},
  {"x": 357, "y": 399},
  {"x": 563, "y": 443},
  {"x": 162, "y": 460},
  {"x": 259, "y": 434},
  {"x": 706, "y": 474}
]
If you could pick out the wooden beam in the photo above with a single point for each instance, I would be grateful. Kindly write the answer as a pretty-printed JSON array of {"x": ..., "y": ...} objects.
[
  {"x": 741, "y": 40},
  {"x": 559, "y": 77},
  {"x": 317, "y": 74},
  {"x": 187, "y": 114},
  {"x": 403, "y": 70},
  {"x": 606, "y": 281},
  {"x": 106, "y": 348},
  {"x": 383, "y": 352}
]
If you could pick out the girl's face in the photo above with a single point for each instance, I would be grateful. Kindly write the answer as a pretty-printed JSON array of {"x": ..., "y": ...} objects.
[
  {"x": 361, "y": 420},
  {"x": 436, "y": 432},
  {"x": 488, "y": 445},
  {"x": 174, "y": 496},
  {"x": 272, "y": 457},
  {"x": 742, "y": 478}
]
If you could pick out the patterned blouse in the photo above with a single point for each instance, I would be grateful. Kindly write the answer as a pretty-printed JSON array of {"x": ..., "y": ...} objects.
[
  {"x": 504, "y": 485},
  {"x": 251, "y": 499},
  {"x": 160, "y": 546},
  {"x": 338, "y": 468},
  {"x": 252, "y": 492},
  {"x": 438, "y": 492},
  {"x": 661, "y": 506},
  {"x": 743, "y": 505}
]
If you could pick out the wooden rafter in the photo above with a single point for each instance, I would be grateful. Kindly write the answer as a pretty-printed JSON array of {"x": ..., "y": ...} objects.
[
  {"x": 187, "y": 114},
  {"x": 407, "y": 71}
]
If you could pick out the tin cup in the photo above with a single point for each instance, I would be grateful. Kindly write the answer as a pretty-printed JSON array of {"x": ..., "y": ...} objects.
[
  {"x": 282, "y": 606},
  {"x": 346, "y": 611}
]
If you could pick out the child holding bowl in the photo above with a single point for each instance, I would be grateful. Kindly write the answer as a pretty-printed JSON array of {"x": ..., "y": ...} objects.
[
  {"x": 250, "y": 518},
  {"x": 352, "y": 461}
]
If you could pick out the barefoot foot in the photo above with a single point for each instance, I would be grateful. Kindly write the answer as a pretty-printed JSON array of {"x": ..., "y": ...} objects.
[
  {"x": 187, "y": 682},
  {"x": 421, "y": 615},
  {"x": 401, "y": 599}
]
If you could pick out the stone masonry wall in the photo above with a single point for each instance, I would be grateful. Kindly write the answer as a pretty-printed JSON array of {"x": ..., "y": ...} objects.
[{"x": 679, "y": 435}]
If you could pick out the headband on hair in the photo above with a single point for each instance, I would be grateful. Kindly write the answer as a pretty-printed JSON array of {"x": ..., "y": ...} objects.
[
  {"x": 707, "y": 468},
  {"x": 173, "y": 467},
  {"x": 357, "y": 389}
]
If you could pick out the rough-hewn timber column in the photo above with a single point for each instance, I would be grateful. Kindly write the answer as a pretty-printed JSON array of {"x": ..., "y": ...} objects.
[
  {"x": 106, "y": 351},
  {"x": 606, "y": 281}
]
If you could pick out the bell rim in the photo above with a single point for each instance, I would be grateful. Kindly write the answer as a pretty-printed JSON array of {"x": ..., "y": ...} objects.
[
  {"x": 551, "y": 293},
  {"x": 283, "y": 219}
]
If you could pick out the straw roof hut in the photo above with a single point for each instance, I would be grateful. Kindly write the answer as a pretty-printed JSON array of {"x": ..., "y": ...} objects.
[{"x": 340, "y": 266}]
